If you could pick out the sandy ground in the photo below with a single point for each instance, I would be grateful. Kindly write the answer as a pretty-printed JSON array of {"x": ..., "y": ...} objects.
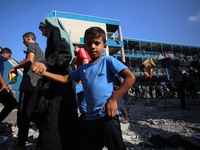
[{"x": 150, "y": 123}]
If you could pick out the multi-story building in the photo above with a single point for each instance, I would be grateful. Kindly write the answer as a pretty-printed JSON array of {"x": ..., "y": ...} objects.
[
  {"x": 132, "y": 51},
  {"x": 129, "y": 50},
  {"x": 77, "y": 24},
  {"x": 137, "y": 51}
]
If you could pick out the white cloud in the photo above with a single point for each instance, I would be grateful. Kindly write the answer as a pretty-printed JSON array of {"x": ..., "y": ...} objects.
[{"x": 195, "y": 17}]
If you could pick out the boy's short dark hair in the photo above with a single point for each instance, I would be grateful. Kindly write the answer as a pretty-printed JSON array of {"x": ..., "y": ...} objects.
[
  {"x": 5, "y": 50},
  {"x": 31, "y": 34},
  {"x": 97, "y": 31}
]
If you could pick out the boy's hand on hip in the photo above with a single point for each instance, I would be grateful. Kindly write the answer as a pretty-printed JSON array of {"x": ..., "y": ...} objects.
[{"x": 111, "y": 107}]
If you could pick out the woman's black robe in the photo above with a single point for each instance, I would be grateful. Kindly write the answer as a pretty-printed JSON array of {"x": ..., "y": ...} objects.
[{"x": 60, "y": 128}]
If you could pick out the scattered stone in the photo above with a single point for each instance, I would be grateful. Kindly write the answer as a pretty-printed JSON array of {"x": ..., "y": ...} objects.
[{"x": 161, "y": 118}]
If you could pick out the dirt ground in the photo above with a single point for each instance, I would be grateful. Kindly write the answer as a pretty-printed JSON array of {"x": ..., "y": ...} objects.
[
  {"x": 152, "y": 124},
  {"x": 161, "y": 124}
]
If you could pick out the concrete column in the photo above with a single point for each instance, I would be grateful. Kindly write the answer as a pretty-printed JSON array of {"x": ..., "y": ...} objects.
[
  {"x": 122, "y": 48},
  {"x": 171, "y": 48},
  {"x": 181, "y": 49},
  {"x": 140, "y": 46},
  {"x": 162, "y": 48},
  {"x": 190, "y": 51},
  {"x": 107, "y": 51},
  {"x": 127, "y": 45},
  {"x": 151, "y": 47}
]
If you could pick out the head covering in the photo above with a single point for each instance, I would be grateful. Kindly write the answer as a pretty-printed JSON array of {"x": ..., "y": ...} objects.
[{"x": 49, "y": 22}]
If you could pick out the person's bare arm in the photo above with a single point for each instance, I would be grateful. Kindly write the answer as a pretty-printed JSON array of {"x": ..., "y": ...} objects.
[
  {"x": 111, "y": 104},
  {"x": 3, "y": 83},
  {"x": 85, "y": 61},
  {"x": 57, "y": 77},
  {"x": 28, "y": 62}
]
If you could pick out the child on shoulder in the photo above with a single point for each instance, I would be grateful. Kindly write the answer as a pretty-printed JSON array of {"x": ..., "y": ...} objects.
[{"x": 102, "y": 124}]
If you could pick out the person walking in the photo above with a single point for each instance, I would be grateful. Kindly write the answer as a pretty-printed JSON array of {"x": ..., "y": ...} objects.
[
  {"x": 82, "y": 58},
  {"x": 60, "y": 127},
  {"x": 27, "y": 86},
  {"x": 177, "y": 77},
  {"x": 137, "y": 90},
  {"x": 102, "y": 127},
  {"x": 6, "y": 98}
]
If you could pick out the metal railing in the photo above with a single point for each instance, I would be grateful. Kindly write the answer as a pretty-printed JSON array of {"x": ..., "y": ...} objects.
[
  {"x": 156, "y": 54},
  {"x": 141, "y": 53},
  {"x": 156, "y": 70}
]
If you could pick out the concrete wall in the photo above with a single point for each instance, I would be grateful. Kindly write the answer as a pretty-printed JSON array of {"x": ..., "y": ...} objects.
[{"x": 76, "y": 28}]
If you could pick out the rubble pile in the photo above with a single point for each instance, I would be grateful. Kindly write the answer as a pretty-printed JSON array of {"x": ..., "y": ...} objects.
[{"x": 152, "y": 124}]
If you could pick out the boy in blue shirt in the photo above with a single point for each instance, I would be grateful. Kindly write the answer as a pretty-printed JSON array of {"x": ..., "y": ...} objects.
[{"x": 102, "y": 126}]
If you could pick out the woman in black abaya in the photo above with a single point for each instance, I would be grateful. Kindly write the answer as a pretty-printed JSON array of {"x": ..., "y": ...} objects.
[{"x": 60, "y": 128}]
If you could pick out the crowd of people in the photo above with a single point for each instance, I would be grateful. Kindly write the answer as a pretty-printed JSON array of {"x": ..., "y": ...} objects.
[
  {"x": 50, "y": 91},
  {"x": 181, "y": 85},
  {"x": 158, "y": 90},
  {"x": 67, "y": 78}
]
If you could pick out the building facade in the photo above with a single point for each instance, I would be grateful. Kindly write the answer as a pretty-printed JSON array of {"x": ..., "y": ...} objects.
[{"x": 132, "y": 51}]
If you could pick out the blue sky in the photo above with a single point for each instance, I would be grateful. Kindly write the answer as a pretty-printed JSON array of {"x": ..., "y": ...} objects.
[{"x": 174, "y": 21}]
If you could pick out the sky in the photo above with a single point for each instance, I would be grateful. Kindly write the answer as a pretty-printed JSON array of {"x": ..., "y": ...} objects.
[{"x": 173, "y": 21}]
